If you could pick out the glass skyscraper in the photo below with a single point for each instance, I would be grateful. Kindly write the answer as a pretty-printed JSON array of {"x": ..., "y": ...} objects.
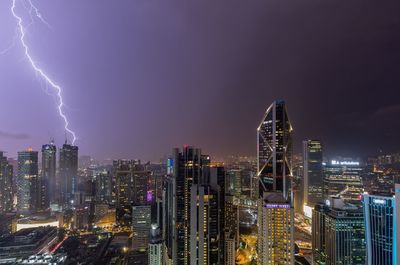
[
  {"x": 382, "y": 232},
  {"x": 313, "y": 175},
  {"x": 48, "y": 175},
  {"x": 274, "y": 169},
  {"x": 343, "y": 177},
  {"x": 28, "y": 182},
  {"x": 338, "y": 233},
  {"x": 6, "y": 191},
  {"x": 274, "y": 150},
  {"x": 68, "y": 175}
]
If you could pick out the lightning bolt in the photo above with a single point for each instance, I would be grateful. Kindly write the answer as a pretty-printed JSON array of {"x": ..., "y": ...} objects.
[{"x": 21, "y": 33}]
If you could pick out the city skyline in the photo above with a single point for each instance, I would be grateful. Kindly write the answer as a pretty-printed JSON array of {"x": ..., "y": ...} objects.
[{"x": 233, "y": 77}]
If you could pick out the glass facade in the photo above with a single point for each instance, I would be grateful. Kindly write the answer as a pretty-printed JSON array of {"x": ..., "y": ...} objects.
[
  {"x": 381, "y": 229},
  {"x": 313, "y": 175},
  {"x": 343, "y": 177}
]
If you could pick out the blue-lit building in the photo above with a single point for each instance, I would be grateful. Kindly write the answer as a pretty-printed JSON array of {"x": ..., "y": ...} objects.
[
  {"x": 381, "y": 223},
  {"x": 338, "y": 233}
]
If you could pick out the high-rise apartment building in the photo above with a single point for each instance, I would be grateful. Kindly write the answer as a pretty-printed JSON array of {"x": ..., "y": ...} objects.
[
  {"x": 275, "y": 241},
  {"x": 48, "y": 175},
  {"x": 382, "y": 224},
  {"x": 28, "y": 199},
  {"x": 313, "y": 174},
  {"x": 338, "y": 233},
  {"x": 68, "y": 173},
  {"x": 274, "y": 169},
  {"x": 6, "y": 190},
  {"x": 343, "y": 177}
]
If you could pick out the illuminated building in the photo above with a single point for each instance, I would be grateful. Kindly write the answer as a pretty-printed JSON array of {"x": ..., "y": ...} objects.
[
  {"x": 155, "y": 250},
  {"x": 6, "y": 194},
  {"x": 68, "y": 173},
  {"x": 48, "y": 175},
  {"x": 274, "y": 169},
  {"x": 313, "y": 175},
  {"x": 338, "y": 234},
  {"x": 382, "y": 232},
  {"x": 274, "y": 148},
  {"x": 191, "y": 201},
  {"x": 204, "y": 225},
  {"x": 343, "y": 177},
  {"x": 131, "y": 184},
  {"x": 26, "y": 242},
  {"x": 103, "y": 186},
  {"x": 35, "y": 221},
  {"x": 123, "y": 183},
  {"x": 81, "y": 217},
  {"x": 28, "y": 182},
  {"x": 230, "y": 229},
  {"x": 235, "y": 182},
  {"x": 275, "y": 241},
  {"x": 230, "y": 249},
  {"x": 141, "y": 224}
]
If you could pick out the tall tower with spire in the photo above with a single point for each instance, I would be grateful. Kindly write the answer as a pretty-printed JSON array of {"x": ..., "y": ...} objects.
[{"x": 274, "y": 170}]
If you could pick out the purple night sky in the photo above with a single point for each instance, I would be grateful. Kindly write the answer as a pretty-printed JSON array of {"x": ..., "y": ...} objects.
[{"x": 143, "y": 76}]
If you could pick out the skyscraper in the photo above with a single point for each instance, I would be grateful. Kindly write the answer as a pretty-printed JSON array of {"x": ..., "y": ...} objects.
[
  {"x": 6, "y": 191},
  {"x": 382, "y": 224},
  {"x": 313, "y": 175},
  {"x": 28, "y": 199},
  {"x": 155, "y": 250},
  {"x": 343, "y": 177},
  {"x": 275, "y": 241},
  {"x": 191, "y": 202},
  {"x": 276, "y": 214},
  {"x": 68, "y": 173},
  {"x": 48, "y": 175},
  {"x": 103, "y": 186},
  {"x": 338, "y": 233},
  {"x": 141, "y": 224},
  {"x": 274, "y": 150}
]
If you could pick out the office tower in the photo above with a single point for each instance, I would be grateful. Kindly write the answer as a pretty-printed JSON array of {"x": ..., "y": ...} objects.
[
  {"x": 123, "y": 183},
  {"x": 103, "y": 186},
  {"x": 382, "y": 232},
  {"x": 155, "y": 250},
  {"x": 235, "y": 182},
  {"x": 131, "y": 184},
  {"x": 338, "y": 233},
  {"x": 313, "y": 175},
  {"x": 275, "y": 241},
  {"x": 185, "y": 169},
  {"x": 298, "y": 184},
  {"x": 6, "y": 191},
  {"x": 141, "y": 224},
  {"x": 275, "y": 211},
  {"x": 48, "y": 175},
  {"x": 274, "y": 150},
  {"x": 141, "y": 176},
  {"x": 343, "y": 177},
  {"x": 68, "y": 173},
  {"x": 28, "y": 182}
]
